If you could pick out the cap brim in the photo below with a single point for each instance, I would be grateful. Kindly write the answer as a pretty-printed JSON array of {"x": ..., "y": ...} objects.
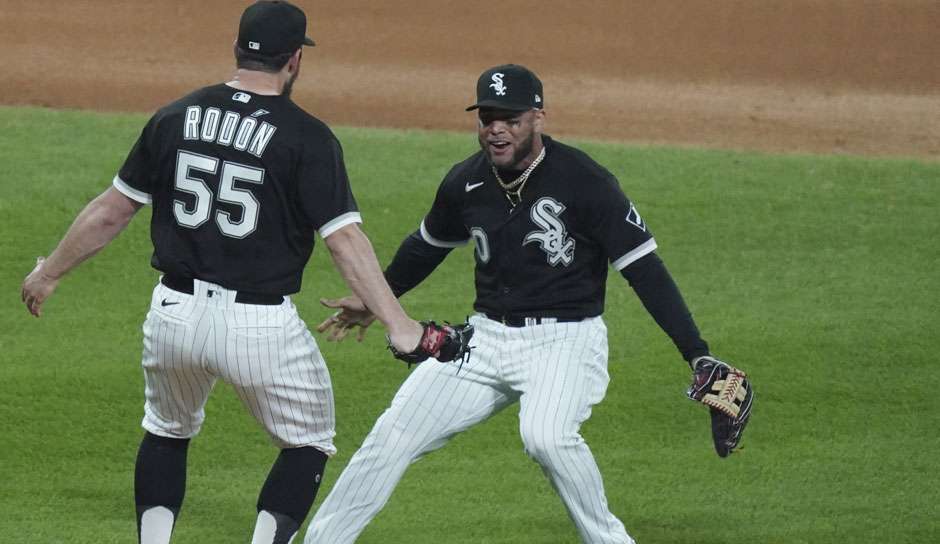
[
  {"x": 308, "y": 41},
  {"x": 498, "y": 105}
]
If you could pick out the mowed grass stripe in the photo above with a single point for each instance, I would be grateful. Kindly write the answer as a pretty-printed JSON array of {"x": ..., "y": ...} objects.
[{"x": 815, "y": 274}]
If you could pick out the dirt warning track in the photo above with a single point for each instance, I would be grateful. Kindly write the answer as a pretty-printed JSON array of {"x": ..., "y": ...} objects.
[{"x": 831, "y": 76}]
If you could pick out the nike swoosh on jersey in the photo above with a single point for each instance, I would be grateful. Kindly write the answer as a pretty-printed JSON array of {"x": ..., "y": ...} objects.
[
  {"x": 165, "y": 303},
  {"x": 470, "y": 187}
]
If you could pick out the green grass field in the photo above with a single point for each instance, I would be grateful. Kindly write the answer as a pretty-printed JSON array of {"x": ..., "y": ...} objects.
[{"x": 818, "y": 275}]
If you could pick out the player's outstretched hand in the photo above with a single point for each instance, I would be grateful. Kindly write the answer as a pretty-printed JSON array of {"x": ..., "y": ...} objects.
[
  {"x": 37, "y": 287},
  {"x": 728, "y": 394},
  {"x": 350, "y": 313}
]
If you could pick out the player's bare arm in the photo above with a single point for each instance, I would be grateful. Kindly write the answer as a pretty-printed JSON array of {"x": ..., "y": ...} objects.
[
  {"x": 356, "y": 261},
  {"x": 97, "y": 224},
  {"x": 413, "y": 262}
]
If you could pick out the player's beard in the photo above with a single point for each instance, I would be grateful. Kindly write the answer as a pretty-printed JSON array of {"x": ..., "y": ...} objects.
[
  {"x": 522, "y": 150},
  {"x": 289, "y": 84}
]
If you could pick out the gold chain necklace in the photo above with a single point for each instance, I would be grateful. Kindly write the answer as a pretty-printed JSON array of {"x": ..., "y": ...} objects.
[{"x": 514, "y": 188}]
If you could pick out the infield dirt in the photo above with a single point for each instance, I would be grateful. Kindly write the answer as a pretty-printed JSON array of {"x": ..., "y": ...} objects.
[{"x": 830, "y": 76}]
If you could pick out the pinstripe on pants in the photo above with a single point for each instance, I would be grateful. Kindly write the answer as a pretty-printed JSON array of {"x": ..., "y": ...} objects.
[
  {"x": 266, "y": 353},
  {"x": 556, "y": 371}
]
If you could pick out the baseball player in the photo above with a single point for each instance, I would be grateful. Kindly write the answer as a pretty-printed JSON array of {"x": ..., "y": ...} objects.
[
  {"x": 545, "y": 220},
  {"x": 240, "y": 179}
]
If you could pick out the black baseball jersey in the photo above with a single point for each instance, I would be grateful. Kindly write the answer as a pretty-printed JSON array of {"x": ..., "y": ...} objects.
[
  {"x": 547, "y": 256},
  {"x": 240, "y": 183}
]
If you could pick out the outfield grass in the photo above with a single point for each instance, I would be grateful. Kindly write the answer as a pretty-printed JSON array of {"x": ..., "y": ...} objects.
[{"x": 818, "y": 275}]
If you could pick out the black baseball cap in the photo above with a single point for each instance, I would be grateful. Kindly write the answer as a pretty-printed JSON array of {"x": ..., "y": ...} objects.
[
  {"x": 509, "y": 87},
  {"x": 272, "y": 27}
]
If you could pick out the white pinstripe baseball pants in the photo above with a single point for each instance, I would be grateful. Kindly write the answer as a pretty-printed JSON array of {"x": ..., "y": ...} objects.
[
  {"x": 265, "y": 352},
  {"x": 556, "y": 371}
]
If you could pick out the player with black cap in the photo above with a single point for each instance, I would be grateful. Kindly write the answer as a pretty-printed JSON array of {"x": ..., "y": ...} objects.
[
  {"x": 240, "y": 179},
  {"x": 547, "y": 221}
]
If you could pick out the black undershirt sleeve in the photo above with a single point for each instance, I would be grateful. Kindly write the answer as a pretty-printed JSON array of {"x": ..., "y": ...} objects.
[
  {"x": 661, "y": 298},
  {"x": 414, "y": 261}
]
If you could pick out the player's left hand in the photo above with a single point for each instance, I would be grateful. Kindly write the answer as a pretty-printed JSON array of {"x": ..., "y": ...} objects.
[
  {"x": 728, "y": 394},
  {"x": 37, "y": 287},
  {"x": 351, "y": 313},
  {"x": 445, "y": 343}
]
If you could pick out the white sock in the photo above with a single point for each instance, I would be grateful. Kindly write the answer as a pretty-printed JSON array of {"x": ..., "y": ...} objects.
[
  {"x": 156, "y": 525},
  {"x": 266, "y": 529}
]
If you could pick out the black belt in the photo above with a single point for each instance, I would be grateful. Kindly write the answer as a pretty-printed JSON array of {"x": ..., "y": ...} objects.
[
  {"x": 516, "y": 321},
  {"x": 185, "y": 285}
]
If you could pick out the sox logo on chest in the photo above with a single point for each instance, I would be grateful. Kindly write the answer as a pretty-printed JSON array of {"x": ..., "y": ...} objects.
[{"x": 553, "y": 238}]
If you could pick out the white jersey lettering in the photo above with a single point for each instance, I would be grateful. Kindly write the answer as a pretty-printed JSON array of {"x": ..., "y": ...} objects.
[
  {"x": 227, "y": 132},
  {"x": 261, "y": 139},
  {"x": 210, "y": 124},
  {"x": 228, "y": 128},
  {"x": 245, "y": 130},
  {"x": 191, "y": 123}
]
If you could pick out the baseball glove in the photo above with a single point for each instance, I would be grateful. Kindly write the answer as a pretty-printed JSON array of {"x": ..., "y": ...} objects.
[
  {"x": 443, "y": 342},
  {"x": 728, "y": 394}
]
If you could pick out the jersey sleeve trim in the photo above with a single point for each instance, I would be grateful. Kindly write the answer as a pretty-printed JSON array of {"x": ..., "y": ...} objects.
[
  {"x": 643, "y": 249},
  {"x": 130, "y": 192},
  {"x": 339, "y": 222},
  {"x": 439, "y": 243}
]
